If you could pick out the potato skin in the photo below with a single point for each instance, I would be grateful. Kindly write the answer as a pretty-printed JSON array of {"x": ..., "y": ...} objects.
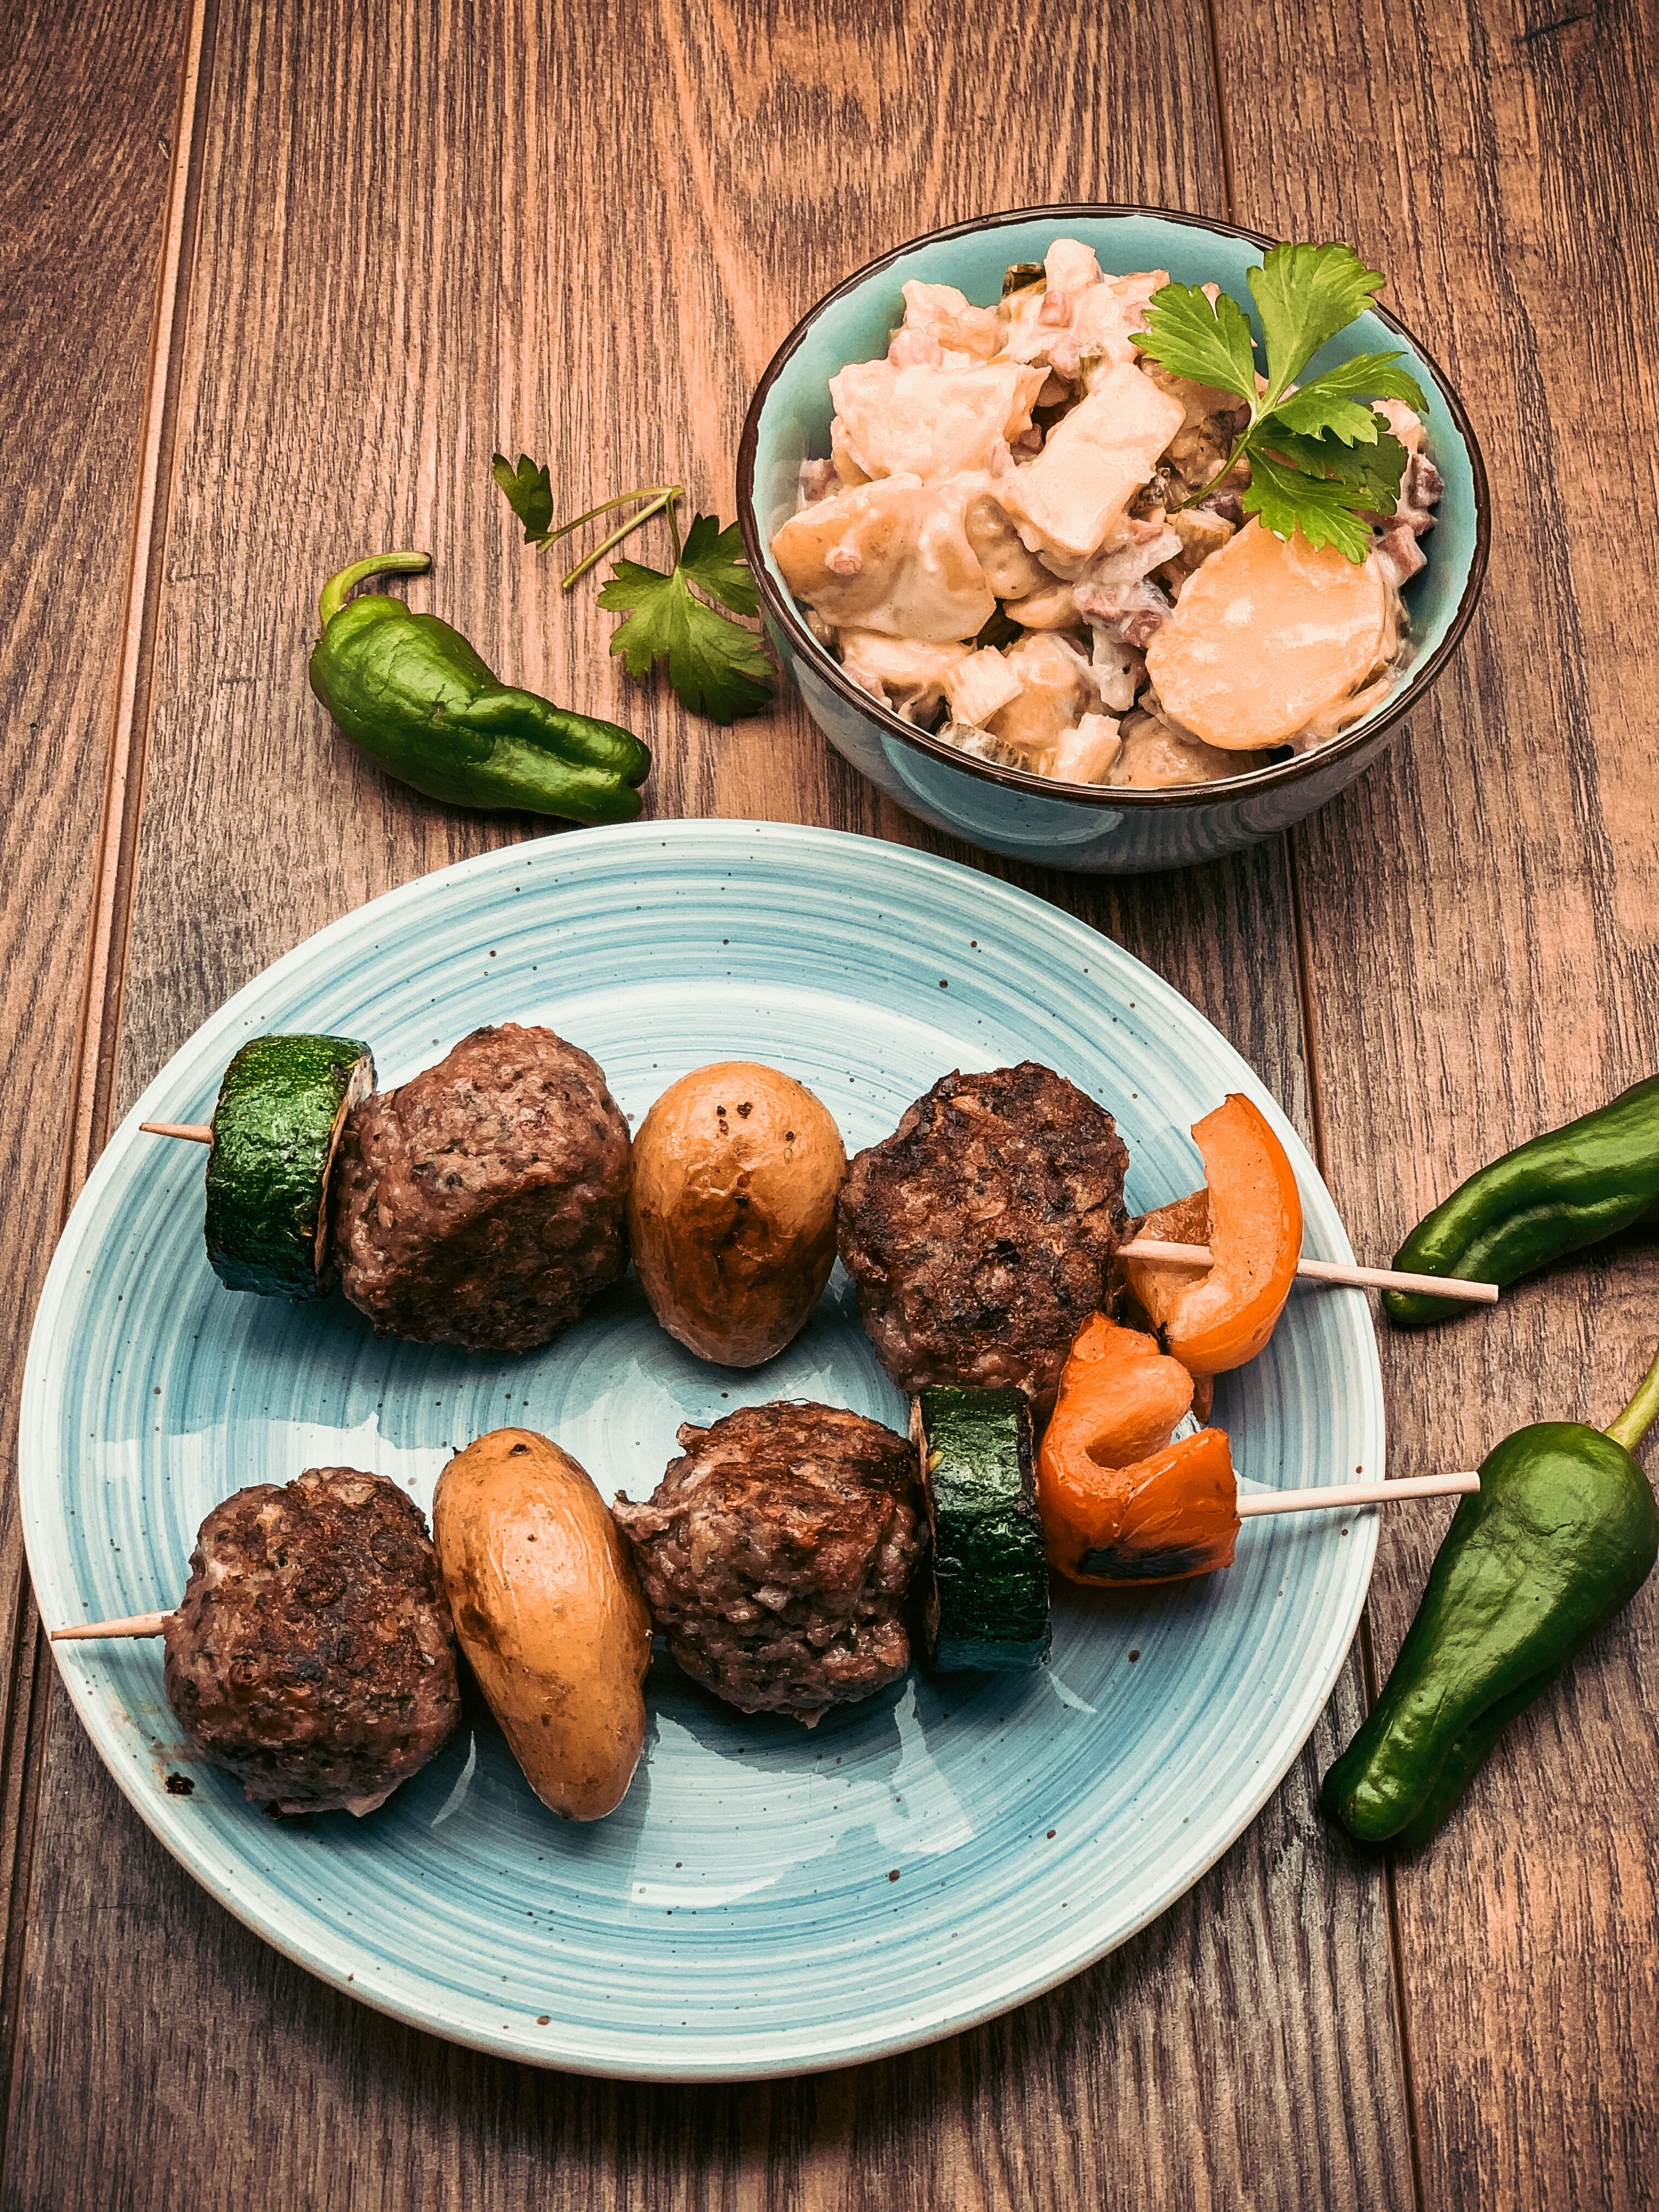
[
  {"x": 549, "y": 1614},
  {"x": 732, "y": 1209}
]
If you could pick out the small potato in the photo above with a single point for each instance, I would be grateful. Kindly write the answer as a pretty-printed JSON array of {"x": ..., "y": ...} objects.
[
  {"x": 732, "y": 1209},
  {"x": 548, "y": 1614}
]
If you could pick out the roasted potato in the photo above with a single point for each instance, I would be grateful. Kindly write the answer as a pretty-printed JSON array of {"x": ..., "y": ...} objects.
[
  {"x": 732, "y": 1210},
  {"x": 548, "y": 1614}
]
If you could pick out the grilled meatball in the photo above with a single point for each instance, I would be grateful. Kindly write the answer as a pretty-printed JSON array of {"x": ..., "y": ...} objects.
[
  {"x": 777, "y": 1554},
  {"x": 980, "y": 1232},
  {"x": 312, "y": 1654},
  {"x": 482, "y": 1203}
]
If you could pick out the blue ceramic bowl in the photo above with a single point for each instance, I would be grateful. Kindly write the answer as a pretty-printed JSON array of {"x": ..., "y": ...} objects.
[{"x": 1006, "y": 810}]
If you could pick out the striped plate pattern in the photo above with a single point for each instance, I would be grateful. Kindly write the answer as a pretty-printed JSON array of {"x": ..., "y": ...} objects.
[{"x": 767, "y": 1898}]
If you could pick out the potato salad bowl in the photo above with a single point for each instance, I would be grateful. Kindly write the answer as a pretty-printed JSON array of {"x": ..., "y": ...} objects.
[{"x": 982, "y": 794}]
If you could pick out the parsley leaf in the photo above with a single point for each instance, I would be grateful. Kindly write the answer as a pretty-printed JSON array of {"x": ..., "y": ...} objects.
[
  {"x": 1212, "y": 344},
  {"x": 1305, "y": 295},
  {"x": 717, "y": 668},
  {"x": 712, "y": 560},
  {"x": 1329, "y": 401},
  {"x": 529, "y": 494},
  {"x": 1320, "y": 456},
  {"x": 1323, "y": 508},
  {"x": 1376, "y": 469}
]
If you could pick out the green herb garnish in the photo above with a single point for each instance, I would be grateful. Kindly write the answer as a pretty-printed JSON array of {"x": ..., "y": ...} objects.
[
  {"x": 529, "y": 492},
  {"x": 1320, "y": 456},
  {"x": 716, "y": 667}
]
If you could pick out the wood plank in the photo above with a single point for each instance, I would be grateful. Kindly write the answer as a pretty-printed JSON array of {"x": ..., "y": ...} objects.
[
  {"x": 583, "y": 231},
  {"x": 1492, "y": 970},
  {"x": 1228, "y": 2054},
  {"x": 83, "y": 194}
]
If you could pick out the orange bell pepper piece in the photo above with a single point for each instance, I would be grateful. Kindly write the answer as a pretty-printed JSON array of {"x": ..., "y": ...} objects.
[
  {"x": 1120, "y": 1503},
  {"x": 1216, "y": 1318}
]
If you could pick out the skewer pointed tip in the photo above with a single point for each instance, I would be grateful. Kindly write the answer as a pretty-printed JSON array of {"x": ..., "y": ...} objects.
[
  {"x": 137, "y": 1623},
  {"x": 197, "y": 1133}
]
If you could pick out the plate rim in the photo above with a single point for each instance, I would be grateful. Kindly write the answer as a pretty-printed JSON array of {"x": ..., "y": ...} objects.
[{"x": 337, "y": 1968}]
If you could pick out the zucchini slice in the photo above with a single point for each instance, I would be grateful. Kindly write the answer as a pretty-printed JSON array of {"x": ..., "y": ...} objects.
[
  {"x": 282, "y": 1108},
  {"x": 987, "y": 1609}
]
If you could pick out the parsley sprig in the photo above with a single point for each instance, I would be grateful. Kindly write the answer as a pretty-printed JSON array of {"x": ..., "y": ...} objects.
[
  {"x": 716, "y": 666},
  {"x": 1320, "y": 455}
]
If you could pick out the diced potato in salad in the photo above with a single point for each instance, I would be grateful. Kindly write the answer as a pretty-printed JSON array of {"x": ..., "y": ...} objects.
[{"x": 1022, "y": 539}]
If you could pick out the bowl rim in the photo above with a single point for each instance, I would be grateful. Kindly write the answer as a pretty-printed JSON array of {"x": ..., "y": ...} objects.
[{"x": 781, "y": 607}]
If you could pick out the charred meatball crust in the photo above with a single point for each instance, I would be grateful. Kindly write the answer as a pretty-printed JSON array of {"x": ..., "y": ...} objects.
[
  {"x": 981, "y": 1233},
  {"x": 777, "y": 1555},
  {"x": 482, "y": 1203},
  {"x": 312, "y": 1654}
]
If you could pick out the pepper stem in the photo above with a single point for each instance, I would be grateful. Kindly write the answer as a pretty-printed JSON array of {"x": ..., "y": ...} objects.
[
  {"x": 377, "y": 564},
  {"x": 1633, "y": 1424}
]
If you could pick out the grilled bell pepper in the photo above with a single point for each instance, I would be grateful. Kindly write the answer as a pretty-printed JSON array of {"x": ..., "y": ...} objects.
[
  {"x": 411, "y": 691},
  {"x": 1120, "y": 1503},
  {"x": 1570, "y": 1187},
  {"x": 1562, "y": 1533},
  {"x": 1250, "y": 1216}
]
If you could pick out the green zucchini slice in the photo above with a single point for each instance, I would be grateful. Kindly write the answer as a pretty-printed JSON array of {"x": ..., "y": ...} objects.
[
  {"x": 987, "y": 1609},
  {"x": 282, "y": 1108}
]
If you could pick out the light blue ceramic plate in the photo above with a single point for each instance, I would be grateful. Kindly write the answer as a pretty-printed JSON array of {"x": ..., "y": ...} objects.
[{"x": 767, "y": 1899}]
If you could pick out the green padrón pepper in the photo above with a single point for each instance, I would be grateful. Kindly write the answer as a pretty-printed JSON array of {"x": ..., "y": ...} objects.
[
  {"x": 1562, "y": 1533},
  {"x": 411, "y": 691},
  {"x": 1570, "y": 1187}
]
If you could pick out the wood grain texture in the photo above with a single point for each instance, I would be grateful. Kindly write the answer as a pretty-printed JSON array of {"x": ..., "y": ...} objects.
[
  {"x": 82, "y": 201},
  {"x": 1229, "y": 2054},
  {"x": 1500, "y": 164},
  {"x": 426, "y": 232}
]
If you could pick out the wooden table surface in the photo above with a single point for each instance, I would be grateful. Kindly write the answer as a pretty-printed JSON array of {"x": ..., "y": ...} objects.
[{"x": 278, "y": 280}]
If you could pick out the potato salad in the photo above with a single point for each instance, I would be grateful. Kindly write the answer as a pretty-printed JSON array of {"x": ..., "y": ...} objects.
[{"x": 1026, "y": 538}]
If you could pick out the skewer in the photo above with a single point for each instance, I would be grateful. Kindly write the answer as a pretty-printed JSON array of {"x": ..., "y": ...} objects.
[
  {"x": 1321, "y": 1271},
  {"x": 1265, "y": 1501},
  {"x": 139, "y": 1624},
  {"x": 1142, "y": 1247},
  {"x": 1342, "y": 1494}
]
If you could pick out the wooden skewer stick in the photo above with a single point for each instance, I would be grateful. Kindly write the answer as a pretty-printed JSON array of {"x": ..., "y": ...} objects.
[
  {"x": 1142, "y": 1247},
  {"x": 1322, "y": 1271},
  {"x": 1341, "y": 1494},
  {"x": 141, "y": 1623},
  {"x": 1263, "y": 1501}
]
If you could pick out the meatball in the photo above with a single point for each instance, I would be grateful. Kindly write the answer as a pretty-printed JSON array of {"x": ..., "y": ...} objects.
[
  {"x": 313, "y": 1653},
  {"x": 981, "y": 1233},
  {"x": 482, "y": 1203},
  {"x": 777, "y": 1554}
]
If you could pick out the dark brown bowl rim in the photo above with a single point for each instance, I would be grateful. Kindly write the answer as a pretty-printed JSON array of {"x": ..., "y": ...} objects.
[{"x": 1118, "y": 797}]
